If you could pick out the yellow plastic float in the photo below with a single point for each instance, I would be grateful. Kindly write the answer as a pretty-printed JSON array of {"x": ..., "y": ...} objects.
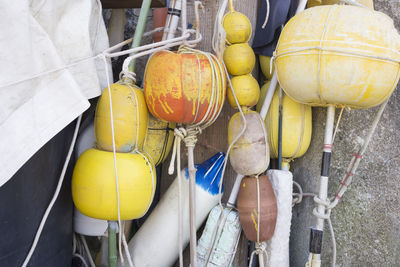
[
  {"x": 237, "y": 27},
  {"x": 265, "y": 64},
  {"x": 296, "y": 127},
  {"x": 239, "y": 59},
  {"x": 130, "y": 118},
  {"x": 339, "y": 55},
  {"x": 94, "y": 186},
  {"x": 159, "y": 139},
  {"x": 312, "y": 3},
  {"x": 246, "y": 90}
]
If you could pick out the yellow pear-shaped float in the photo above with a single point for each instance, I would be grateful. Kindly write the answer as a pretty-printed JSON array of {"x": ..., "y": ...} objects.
[
  {"x": 239, "y": 59},
  {"x": 130, "y": 118},
  {"x": 94, "y": 188},
  {"x": 159, "y": 139},
  {"x": 246, "y": 89},
  {"x": 339, "y": 55},
  {"x": 237, "y": 27}
]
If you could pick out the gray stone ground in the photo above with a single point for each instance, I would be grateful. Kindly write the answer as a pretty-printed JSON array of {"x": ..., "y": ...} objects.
[{"x": 367, "y": 221}]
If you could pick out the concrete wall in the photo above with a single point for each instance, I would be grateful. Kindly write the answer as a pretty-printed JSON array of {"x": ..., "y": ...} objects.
[{"x": 367, "y": 221}]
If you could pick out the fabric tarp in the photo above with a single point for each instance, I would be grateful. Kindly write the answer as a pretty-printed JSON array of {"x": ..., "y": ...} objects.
[{"x": 37, "y": 37}]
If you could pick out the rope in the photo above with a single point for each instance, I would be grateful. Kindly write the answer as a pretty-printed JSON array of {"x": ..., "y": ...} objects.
[
  {"x": 337, "y": 124},
  {"x": 55, "y": 196},
  {"x": 266, "y": 15}
]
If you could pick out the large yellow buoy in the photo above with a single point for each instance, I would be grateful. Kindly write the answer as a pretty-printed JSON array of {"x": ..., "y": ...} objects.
[
  {"x": 265, "y": 64},
  {"x": 250, "y": 154},
  {"x": 239, "y": 59},
  {"x": 339, "y": 55},
  {"x": 130, "y": 117},
  {"x": 246, "y": 89},
  {"x": 159, "y": 139},
  {"x": 237, "y": 27},
  {"x": 296, "y": 127},
  {"x": 312, "y": 3},
  {"x": 94, "y": 188}
]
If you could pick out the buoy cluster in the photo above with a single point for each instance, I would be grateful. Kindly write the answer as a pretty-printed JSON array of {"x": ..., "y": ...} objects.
[
  {"x": 249, "y": 155},
  {"x": 239, "y": 59},
  {"x": 120, "y": 128}
]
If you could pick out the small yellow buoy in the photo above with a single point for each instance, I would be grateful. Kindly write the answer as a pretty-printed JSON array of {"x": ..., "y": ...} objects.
[
  {"x": 237, "y": 27},
  {"x": 94, "y": 187},
  {"x": 130, "y": 117},
  {"x": 246, "y": 90},
  {"x": 159, "y": 139},
  {"x": 265, "y": 64},
  {"x": 239, "y": 59}
]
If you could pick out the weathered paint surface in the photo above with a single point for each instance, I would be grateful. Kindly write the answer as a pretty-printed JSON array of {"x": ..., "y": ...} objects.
[
  {"x": 344, "y": 72},
  {"x": 178, "y": 87},
  {"x": 130, "y": 117}
]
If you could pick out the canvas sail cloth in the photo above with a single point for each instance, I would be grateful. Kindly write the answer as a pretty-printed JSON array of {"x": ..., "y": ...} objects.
[{"x": 38, "y": 36}]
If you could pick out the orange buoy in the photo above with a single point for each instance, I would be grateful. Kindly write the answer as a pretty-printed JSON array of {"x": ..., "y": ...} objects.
[
  {"x": 179, "y": 87},
  {"x": 247, "y": 204}
]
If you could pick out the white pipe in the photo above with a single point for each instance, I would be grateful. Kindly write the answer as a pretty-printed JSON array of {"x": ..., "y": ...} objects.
[
  {"x": 235, "y": 191},
  {"x": 174, "y": 20},
  {"x": 269, "y": 95}
]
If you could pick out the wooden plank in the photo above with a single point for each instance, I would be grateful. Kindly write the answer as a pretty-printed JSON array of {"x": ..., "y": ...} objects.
[{"x": 214, "y": 138}]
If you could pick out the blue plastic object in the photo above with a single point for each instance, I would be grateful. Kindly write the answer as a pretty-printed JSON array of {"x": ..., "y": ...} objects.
[{"x": 208, "y": 173}]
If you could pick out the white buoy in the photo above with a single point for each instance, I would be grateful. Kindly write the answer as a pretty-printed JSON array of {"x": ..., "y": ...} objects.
[{"x": 156, "y": 242}]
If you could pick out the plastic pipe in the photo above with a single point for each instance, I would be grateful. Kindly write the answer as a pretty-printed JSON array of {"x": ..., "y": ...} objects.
[
  {"x": 137, "y": 37},
  {"x": 112, "y": 243}
]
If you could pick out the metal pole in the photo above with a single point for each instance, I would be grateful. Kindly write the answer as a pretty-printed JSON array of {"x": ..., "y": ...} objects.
[{"x": 112, "y": 243}]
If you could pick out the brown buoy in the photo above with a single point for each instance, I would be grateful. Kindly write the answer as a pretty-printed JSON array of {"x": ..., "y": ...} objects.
[{"x": 247, "y": 204}]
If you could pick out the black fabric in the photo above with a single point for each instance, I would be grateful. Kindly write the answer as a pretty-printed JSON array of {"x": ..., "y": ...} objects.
[
  {"x": 281, "y": 11},
  {"x": 23, "y": 201}
]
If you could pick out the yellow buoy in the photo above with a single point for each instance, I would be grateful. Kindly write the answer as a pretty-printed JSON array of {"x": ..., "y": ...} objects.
[
  {"x": 296, "y": 127},
  {"x": 250, "y": 154},
  {"x": 94, "y": 188},
  {"x": 237, "y": 27},
  {"x": 263, "y": 92},
  {"x": 246, "y": 90},
  {"x": 312, "y": 3},
  {"x": 265, "y": 64},
  {"x": 239, "y": 59},
  {"x": 159, "y": 139},
  {"x": 130, "y": 118},
  {"x": 339, "y": 55}
]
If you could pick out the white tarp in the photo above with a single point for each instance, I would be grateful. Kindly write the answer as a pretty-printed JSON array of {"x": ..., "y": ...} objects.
[{"x": 37, "y": 37}]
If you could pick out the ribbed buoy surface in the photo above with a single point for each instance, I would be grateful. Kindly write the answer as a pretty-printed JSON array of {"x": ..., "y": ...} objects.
[
  {"x": 296, "y": 127},
  {"x": 159, "y": 139},
  {"x": 130, "y": 117},
  {"x": 339, "y": 55},
  {"x": 179, "y": 87}
]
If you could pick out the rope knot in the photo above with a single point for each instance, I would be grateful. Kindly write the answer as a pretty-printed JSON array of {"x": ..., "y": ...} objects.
[
  {"x": 327, "y": 204},
  {"x": 126, "y": 74},
  {"x": 261, "y": 249}
]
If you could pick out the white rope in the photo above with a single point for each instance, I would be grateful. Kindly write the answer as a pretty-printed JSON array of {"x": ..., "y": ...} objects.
[
  {"x": 55, "y": 196},
  {"x": 266, "y": 15},
  {"x": 85, "y": 246}
]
